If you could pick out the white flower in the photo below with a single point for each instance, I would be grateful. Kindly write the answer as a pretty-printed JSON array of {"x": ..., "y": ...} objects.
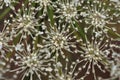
[
  {"x": 97, "y": 14},
  {"x": 58, "y": 38},
  {"x": 68, "y": 10},
  {"x": 24, "y": 24},
  {"x": 30, "y": 63},
  {"x": 95, "y": 52}
]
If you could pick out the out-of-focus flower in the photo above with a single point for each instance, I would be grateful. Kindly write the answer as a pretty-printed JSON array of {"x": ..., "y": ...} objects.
[{"x": 30, "y": 63}]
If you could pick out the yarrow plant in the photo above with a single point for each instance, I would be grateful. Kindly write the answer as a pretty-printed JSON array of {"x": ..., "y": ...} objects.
[{"x": 59, "y": 40}]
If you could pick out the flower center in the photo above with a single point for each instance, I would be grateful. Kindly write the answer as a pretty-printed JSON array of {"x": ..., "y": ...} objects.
[
  {"x": 31, "y": 61},
  {"x": 58, "y": 40},
  {"x": 93, "y": 53},
  {"x": 25, "y": 23},
  {"x": 98, "y": 19},
  {"x": 69, "y": 11}
]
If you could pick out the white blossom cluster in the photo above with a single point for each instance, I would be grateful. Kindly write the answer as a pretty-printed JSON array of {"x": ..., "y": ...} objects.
[{"x": 60, "y": 40}]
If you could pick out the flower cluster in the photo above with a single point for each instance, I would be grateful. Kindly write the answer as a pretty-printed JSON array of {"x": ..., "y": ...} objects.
[
  {"x": 24, "y": 24},
  {"x": 95, "y": 53},
  {"x": 30, "y": 62},
  {"x": 68, "y": 10},
  {"x": 59, "y": 40}
]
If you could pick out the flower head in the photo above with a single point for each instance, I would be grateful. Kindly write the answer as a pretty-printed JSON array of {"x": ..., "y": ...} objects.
[
  {"x": 30, "y": 63},
  {"x": 67, "y": 9},
  {"x": 95, "y": 53},
  {"x": 58, "y": 38},
  {"x": 97, "y": 14},
  {"x": 24, "y": 23}
]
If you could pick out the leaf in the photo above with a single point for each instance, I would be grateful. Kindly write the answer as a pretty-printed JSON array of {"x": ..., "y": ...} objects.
[
  {"x": 80, "y": 30},
  {"x": 113, "y": 34},
  {"x": 7, "y": 10},
  {"x": 50, "y": 14},
  {"x": 17, "y": 39}
]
